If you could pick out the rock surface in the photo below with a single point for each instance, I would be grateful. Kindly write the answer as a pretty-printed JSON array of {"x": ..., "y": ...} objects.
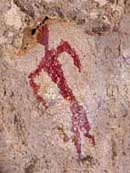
[{"x": 34, "y": 139}]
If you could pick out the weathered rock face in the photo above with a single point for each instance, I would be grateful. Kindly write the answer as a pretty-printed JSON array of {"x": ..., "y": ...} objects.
[{"x": 68, "y": 85}]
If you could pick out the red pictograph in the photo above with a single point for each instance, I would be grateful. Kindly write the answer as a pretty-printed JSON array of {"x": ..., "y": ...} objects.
[{"x": 53, "y": 68}]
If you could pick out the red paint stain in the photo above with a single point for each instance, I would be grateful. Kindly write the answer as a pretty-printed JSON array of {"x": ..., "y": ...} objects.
[{"x": 53, "y": 68}]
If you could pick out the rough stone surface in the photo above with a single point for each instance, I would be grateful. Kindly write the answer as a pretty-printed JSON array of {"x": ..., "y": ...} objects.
[{"x": 32, "y": 137}]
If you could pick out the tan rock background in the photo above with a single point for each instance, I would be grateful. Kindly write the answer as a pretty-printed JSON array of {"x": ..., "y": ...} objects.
[{"x": 30, "y": 139}]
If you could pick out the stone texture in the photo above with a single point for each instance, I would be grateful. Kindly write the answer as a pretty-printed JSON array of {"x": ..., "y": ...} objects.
[{"x": 31, "y": 137}]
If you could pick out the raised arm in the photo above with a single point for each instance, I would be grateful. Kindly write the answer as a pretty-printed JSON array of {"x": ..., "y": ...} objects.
[{"x": 65, "y": 47}]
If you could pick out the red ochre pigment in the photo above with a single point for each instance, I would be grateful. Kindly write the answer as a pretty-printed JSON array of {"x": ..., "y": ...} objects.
[{"x": 53, "y": 68}]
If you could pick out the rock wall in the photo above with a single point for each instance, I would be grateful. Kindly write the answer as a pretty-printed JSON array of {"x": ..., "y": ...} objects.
[{"x": 64, "y": 86}]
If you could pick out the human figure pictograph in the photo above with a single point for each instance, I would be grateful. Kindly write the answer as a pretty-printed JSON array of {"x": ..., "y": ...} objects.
[{"x": 53, "y": 68}]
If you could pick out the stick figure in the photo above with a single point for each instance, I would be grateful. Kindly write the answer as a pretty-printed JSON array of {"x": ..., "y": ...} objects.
[{"x": 53, "y": 68}]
